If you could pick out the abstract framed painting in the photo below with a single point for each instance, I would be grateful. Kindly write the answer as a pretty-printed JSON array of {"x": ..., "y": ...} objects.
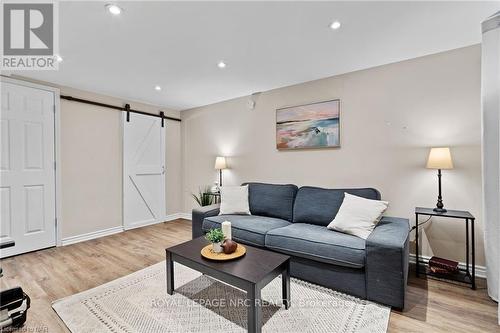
[{"x": 310, "y": 126}]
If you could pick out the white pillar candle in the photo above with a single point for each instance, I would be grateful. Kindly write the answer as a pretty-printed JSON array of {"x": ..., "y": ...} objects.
[{"x": 226, "y": 229}]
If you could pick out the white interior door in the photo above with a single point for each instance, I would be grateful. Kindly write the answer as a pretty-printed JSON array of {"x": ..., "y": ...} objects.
[
  {"x": 143, "y": 171},
  {"x": 27, "y": 169}
]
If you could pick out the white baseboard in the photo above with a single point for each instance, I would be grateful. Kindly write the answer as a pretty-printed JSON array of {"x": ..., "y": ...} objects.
[
  {"x": 185, "y": 216},
  {"x": 480, "y": 270},
  {"x": 118, "y": 229},
  {"x": 91, "y": 235},
  {"x": 172, "y": 217},
  {"x": 145, "y": 224}
]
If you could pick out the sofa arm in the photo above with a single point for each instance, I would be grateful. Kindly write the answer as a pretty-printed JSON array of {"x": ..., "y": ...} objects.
[
  {"x": 199, "y": 214},
  {"x": 387, "y": 255}
]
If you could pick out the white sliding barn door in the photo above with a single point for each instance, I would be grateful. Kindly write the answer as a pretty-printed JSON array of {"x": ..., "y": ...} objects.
[
  {"x": 27, "y": 169},
  {"x": 143, "y": 171}
]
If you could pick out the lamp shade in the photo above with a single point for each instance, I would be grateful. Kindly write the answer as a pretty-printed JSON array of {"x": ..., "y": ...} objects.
[
  {"x": 440, "y": 158},
  {"x": 220, "y": 163}
]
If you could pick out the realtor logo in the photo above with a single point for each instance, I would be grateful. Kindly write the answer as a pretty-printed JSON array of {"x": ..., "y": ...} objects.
[
  {"x": 28, "y": 29},
  {"x": 29, "y": 36}
]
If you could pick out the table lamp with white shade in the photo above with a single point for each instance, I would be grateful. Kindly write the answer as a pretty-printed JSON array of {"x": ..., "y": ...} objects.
[
  {"x": 220, "y": 164},
  {"x": 440, "y": 159}
]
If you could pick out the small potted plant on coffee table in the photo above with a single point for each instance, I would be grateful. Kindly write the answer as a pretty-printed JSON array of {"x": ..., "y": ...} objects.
[{"x": 216, "y": 237}]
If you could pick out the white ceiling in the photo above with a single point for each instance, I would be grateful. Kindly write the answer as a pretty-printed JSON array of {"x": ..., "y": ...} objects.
[{"x": 265, "y": 45}]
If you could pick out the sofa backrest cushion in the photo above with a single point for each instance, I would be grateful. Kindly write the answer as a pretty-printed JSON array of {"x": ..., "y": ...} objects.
[
  {"x": 272, "y": 200},
  {"x": 315, "y": 205}
]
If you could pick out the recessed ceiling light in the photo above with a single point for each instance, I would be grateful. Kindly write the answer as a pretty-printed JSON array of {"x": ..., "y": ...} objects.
[
  {"x": 221, "y": 64},
  {"x": 113, "y": 9},
  {"x": 59, "y": 58},
  {"x": 335, "y": 25},
  {"x": 157, "y": 88}
]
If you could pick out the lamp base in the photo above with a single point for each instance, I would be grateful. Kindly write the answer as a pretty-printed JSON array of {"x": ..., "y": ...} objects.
[{"x": 439, "y": 205}]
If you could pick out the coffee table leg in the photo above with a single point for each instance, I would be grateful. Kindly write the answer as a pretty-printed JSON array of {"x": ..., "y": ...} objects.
[
  {"x": 170, "y": 274},
  {"x": 254, "y": 310},
  {"x": 285, "y": 282}
]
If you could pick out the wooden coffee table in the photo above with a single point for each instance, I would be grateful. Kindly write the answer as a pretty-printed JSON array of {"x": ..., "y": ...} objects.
[{"x": 251, "y": 273}]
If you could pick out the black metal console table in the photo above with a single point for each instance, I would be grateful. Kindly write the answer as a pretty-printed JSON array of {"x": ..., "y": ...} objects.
[{"x": 463, "y": 275}]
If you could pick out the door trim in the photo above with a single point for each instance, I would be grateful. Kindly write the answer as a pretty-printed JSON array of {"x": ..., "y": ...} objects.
[{"x": 57, "y": 147}]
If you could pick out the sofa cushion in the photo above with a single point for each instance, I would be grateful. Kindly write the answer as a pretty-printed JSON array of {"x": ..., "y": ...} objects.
[
  {"x": 358, "y": 216},
  {"x": 318, "y": 243},
  {"x": 246, "y": 228},
  {"x": 272, "y": 200},
  {"x": 314, "y": 205},
  {"x": 234, "y": 200}
]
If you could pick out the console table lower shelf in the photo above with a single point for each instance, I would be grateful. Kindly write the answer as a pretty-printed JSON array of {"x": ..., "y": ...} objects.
[
  {"x": 251, "y": 273},
  {"x": 462, "y": 276}
]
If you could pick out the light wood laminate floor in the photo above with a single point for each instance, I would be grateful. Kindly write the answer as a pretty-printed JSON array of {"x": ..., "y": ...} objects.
[{"x": 47, "y": 275}]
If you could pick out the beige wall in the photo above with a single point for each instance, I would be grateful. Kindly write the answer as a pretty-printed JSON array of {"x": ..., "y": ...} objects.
[
  {"x": 91, "y": 152},
  {"x": 390, "y": 116},
  {"x": 91, "y": 158}
]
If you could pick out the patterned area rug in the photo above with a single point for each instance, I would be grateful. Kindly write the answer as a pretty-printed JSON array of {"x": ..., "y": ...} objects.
[{"x": 139, "y": 303}]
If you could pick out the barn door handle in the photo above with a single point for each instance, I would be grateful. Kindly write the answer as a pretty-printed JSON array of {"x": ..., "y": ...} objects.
[{"x": 162, "y": 169}]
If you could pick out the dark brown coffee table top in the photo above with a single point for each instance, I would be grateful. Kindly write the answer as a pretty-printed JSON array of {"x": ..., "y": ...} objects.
[{"x": 253, "y": 267}]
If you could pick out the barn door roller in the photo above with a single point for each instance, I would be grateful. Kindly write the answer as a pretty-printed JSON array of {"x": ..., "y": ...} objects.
[{"x": 127, "y": 109}]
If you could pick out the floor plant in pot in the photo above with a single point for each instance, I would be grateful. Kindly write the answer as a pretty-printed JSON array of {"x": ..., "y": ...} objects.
[
  {"x": 203, "y": 198},
  {"x": 216, "y": 237}
]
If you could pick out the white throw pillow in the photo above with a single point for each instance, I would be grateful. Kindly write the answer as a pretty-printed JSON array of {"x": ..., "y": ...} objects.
[
  {"x": 234, "y": 200},
  {"x": 358, "y": 216}
]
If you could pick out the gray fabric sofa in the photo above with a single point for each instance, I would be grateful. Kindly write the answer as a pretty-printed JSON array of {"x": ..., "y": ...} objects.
[{"x": 293, "y": 220}]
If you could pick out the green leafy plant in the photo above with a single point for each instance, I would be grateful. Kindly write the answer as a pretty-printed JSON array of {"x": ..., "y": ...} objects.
[
  {"x": 203, "y": 198},
  {"x": 215, "y": 235}
]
